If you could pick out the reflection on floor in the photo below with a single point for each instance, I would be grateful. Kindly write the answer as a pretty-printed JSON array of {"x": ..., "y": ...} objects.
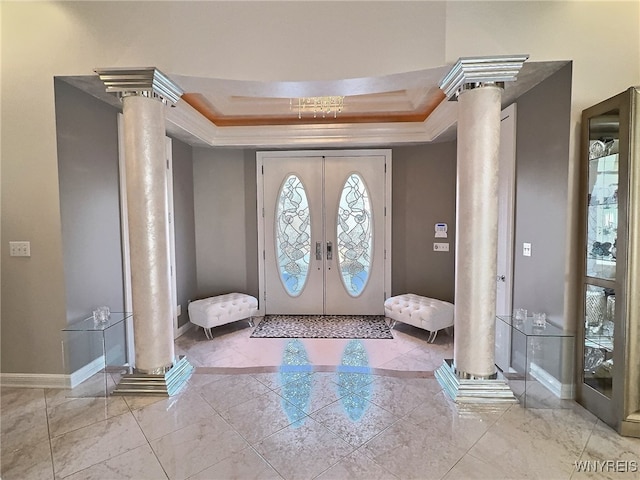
[{"x": 289, "y": 409}]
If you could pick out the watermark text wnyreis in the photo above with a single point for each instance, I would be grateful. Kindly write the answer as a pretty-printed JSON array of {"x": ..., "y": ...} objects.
[{"x": 607, "y": 466}]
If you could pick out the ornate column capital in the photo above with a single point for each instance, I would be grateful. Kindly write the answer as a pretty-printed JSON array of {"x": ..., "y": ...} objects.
[
  {"x": 143, "y": 81},
  {"x": 473, "y": 72}
]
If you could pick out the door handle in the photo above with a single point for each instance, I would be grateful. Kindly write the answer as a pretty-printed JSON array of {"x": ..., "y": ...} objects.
[
  {"x": 318, "y": 250},
  {"x": 329, "y": 251}
]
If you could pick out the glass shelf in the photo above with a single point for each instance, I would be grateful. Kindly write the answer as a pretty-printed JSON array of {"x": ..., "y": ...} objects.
[
  {"x": 90, "y": 325},
  {"x": 541, "y": 365},
  {"x": 529, "y": 329},
  {"x": 92, "y": 351}
]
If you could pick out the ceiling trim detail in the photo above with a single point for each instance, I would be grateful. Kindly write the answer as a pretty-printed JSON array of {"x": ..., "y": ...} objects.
[
  {"x": 142, "y": 80},
  {"x": 481, "y": 70},
  {"x": 379, "y": 116}
]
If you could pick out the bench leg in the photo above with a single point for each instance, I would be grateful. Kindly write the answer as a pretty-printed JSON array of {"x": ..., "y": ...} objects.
[
  {"x": 392, "y": 323},
  {"x": 251, "y": 321},
  {"x": 207, "y": 333},
  {"x": 432, "y": 336}
]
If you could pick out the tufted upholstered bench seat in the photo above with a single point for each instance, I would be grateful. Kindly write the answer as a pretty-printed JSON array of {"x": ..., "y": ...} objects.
[
  {"x": 422, "y": 312},
  {"x": 222, "y": 309}
]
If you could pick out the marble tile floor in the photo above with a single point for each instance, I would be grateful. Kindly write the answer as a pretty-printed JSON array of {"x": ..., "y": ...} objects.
[{"x": 329, "y": 421}]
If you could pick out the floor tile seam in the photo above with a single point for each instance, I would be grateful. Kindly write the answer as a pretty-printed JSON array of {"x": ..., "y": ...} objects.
[
  {"x": 337, "y": 434},
  {"x": 53, "y": 471},
  {"x": 341, "y": 460},
  {"x": 229, "y": 429},
  {"x": 380, "y": 433},
  {"x": 517, "y": 428},
  {"x": 477, "y": 458},
  {"x": 84, "y": 409},
  {"x": 586, "y": 443},
  {"x": 221, "y": 409},
  {"x": 102, "y": 461},
  {"x": 87, "y": 425},
  {"x": 468, "y": 450},
  {"x": 267, "y": 461},
  {"x": 375, "y": 461},
  {"x": 382, "y": 407},
  {"x": 381, "y": 403},
  {"x": 270, "y": 434},
  {"x": 146, "y": 437},
  {"x": 112, "y": 458},
  {"x": 284, "y": 398},
  {"x": 247, "y": 446},
  {"x": 155, "y": 455},
  {"x": 565, "y": 441}
]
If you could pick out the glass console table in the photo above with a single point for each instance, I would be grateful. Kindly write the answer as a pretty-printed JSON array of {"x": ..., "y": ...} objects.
[
  {"x": 541, "y": 363},
  {"x": 91, "y": 350}
]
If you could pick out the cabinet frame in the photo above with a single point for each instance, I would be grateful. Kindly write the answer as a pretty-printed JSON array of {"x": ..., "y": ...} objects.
[{"x": 622, "y": 409}]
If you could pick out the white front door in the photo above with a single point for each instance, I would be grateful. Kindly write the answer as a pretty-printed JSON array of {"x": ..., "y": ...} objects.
[{"x": 324, "y": 230}]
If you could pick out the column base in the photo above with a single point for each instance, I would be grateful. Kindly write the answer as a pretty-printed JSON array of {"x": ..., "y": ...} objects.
[
  {"x": 166, "y": 384},
  {"x": 472, "y": 391}
]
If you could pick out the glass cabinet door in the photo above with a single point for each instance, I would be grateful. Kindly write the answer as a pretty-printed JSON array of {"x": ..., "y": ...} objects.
[
  {"x": 601, "y": 251},
  {"x": 602, "y": 201},
  {"x": 608, "y": 380}
]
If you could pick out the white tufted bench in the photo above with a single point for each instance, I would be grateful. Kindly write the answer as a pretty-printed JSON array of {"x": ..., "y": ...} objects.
[
  {"x": 422, "y": 312},
  {"x": 222, "y": 309}
]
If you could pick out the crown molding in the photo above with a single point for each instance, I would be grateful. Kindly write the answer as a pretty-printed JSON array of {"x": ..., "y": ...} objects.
[
  {"x": 478, "y": 71},
  {"x": 146, "y": 81}
]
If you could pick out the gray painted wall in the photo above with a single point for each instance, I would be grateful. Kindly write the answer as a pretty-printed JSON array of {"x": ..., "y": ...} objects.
[
  {"x": 542, "y": 170},
  {"x": 87, "y": 137},
  {"x": 542, "y": 153},
  {"x": 424, "y": 193},
  {"x": 89, "y": 202},
  {"x": 184, "y": 225},
  {"x": 226, "y": 222}
]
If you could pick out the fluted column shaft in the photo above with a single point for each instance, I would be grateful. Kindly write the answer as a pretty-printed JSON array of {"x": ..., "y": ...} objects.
[
  {"x": 476, "y": 231},
  {"x": 147, "y": 209}
]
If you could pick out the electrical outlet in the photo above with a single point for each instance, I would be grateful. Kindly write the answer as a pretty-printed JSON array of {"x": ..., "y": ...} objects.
[
  {"x": 440, "y": 247},
  {"x": 526, "y": 249},
  {"x": 20, "y": 249}
]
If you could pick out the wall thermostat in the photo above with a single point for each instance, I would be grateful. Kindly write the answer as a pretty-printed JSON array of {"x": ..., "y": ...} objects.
[{"x": 441, "y": 230}]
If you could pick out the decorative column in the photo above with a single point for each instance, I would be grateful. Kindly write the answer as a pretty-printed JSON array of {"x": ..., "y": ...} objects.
[
  {"x": 144, "y": 93},
  {"x": 477, "y": 84}
]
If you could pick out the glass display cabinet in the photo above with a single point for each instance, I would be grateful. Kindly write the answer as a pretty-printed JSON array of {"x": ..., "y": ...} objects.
[{"x": 608, "y": 382}]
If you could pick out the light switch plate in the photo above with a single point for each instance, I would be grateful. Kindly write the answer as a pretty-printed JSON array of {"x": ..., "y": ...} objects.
[
  {"x": 440, "y": 247},
  {"x": 20, "y": 249}
]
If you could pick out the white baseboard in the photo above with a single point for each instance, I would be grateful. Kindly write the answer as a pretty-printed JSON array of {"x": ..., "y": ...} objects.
[
  {"x": 563, "y": 391},
  {"x": 52, "y": 380},
  {"x": 184, "y": 329},
  {"x": 90, "y": 369},
  {"x": 34, "y": 380}
]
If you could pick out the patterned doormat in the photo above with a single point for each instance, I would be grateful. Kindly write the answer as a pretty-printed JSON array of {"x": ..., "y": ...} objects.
[{"x": 323, "y": 326}]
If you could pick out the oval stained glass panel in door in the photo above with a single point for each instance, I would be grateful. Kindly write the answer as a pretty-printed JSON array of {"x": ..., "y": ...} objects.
[
  {"x": 355, "y": 235},
  {"x": 293, "y": 235}
]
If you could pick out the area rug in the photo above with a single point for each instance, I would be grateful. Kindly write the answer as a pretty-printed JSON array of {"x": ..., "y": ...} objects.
[{"x": 323, "y": 326}]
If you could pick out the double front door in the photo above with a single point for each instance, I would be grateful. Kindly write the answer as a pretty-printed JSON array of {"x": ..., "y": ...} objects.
[{"x": 324, "y": 232}]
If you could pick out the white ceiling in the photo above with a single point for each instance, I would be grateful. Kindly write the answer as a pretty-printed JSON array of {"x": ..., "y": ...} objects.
[{"x": 387, "y": 110}]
